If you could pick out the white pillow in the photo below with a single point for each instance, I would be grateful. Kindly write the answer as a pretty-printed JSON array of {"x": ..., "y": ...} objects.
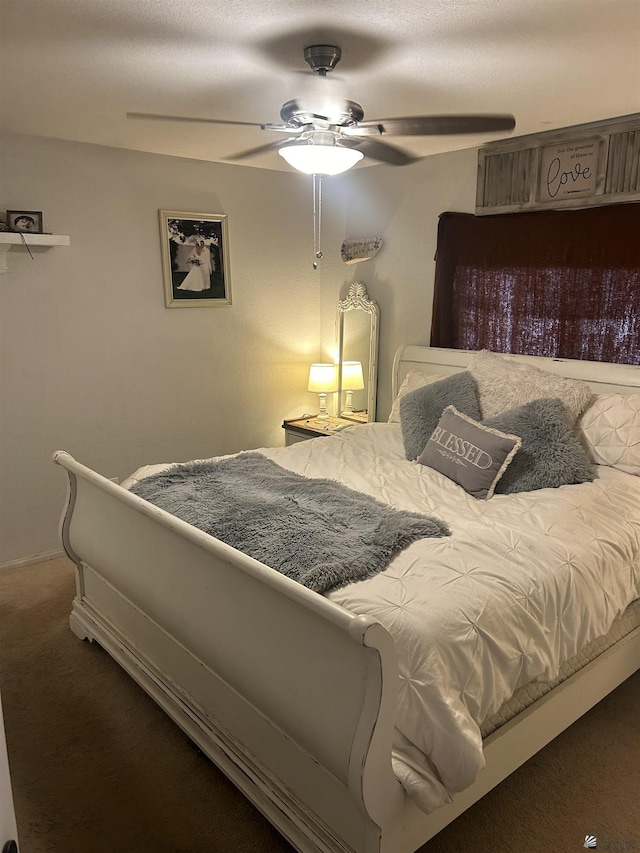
[
  {"x": 504, "y": 383},
  {"x": 414, "y": 379},
  {"x": 609, "y": 430}
]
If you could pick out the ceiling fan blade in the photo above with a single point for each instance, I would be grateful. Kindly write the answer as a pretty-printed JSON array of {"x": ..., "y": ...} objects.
[
  {"x": 381, "y": 151},
  {"x": 154, "y": 117},
  {"x": 432, "y": 125},
  {"x": 260, "y": 149}
]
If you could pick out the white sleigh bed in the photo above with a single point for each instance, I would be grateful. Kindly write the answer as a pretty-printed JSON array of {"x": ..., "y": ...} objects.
[{"x": 294, "y": 695}]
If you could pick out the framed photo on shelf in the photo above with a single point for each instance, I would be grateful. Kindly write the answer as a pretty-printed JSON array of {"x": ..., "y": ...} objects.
[
  {"x": 25, "y": 221},
  {"x": 195, "y": 259}
]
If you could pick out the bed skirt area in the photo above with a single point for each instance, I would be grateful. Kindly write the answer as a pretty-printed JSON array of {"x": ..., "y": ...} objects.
[{"x": 530, "y": 693}]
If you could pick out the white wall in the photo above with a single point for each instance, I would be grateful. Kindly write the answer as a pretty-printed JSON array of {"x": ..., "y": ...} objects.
[
  {"x": 92, "y": 362},
  {"x": 402, "y": 206}
]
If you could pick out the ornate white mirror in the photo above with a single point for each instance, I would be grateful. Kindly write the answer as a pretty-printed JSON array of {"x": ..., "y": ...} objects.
[{"x": 357, "y": 340}]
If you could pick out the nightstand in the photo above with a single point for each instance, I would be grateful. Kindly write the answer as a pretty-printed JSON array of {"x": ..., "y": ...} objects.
[{"x": 301, "y": 429}]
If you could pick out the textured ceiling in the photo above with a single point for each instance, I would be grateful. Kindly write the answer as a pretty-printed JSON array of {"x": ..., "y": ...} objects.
[{"x": 72, "y": 69}]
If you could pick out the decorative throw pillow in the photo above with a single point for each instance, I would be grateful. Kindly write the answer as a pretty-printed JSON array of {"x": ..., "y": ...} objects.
[
  {"x": 551, "y": 454},
  {"x": 471, "y": 454},
  {"x": 420, "y": 410},
  {"x": 504, "y": 383},
  {"x": 414, "y": 379},
  {"x": 609, "y": 430}
]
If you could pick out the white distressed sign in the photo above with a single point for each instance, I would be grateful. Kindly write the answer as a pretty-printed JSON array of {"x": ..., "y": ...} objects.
[{"x": 569, "y": 170}]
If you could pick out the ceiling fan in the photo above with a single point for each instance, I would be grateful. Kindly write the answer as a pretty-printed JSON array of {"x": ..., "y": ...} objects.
[{"x": 332, "y": 143}]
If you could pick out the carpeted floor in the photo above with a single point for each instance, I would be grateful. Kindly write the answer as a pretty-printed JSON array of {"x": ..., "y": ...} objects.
[{"x": 97, "y": 767}]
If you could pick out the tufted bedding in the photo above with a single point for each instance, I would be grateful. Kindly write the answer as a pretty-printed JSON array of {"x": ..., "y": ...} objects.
[
  {"x": 523, "y": 585},
  {"x": 534, "y": 690}
]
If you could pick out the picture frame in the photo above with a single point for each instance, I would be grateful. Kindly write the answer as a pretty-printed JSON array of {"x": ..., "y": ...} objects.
[
  {"x": 25, "y": 221},
  {"x": 195, "y": 259}
]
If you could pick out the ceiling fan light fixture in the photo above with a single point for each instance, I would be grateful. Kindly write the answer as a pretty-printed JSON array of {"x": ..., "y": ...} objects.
[{"x": 316, "y": 158}]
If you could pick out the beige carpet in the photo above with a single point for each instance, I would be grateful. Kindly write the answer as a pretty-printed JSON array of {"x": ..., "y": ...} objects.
[{"x": 98, "y": 768}]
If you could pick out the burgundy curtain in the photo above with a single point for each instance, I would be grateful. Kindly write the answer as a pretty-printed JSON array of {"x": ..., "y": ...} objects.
[{"x": 563, "y": 284}]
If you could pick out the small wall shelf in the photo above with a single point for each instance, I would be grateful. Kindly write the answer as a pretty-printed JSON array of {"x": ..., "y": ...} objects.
[{"x": 34, "y": 241}]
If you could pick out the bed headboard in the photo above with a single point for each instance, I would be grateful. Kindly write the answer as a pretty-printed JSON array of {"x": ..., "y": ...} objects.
[{"x": 603, "y": 377}]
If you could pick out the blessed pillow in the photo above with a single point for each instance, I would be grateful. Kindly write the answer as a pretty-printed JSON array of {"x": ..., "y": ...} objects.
[
  {"x": 414, "y": 379},
  {"x": 504, "y": 383},
  {"x": 420, "y": 410},
  {"x": 609, "y": 430},
  {"x": 471, "y": 454},
  {"x": 551, "y": 454}
]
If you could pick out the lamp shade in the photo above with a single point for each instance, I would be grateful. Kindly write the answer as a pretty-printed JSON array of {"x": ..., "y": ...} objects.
[
  {"x": 320, "y": 159},
  {"x": 323, "y": 378},
  {"x": 352, "y": 378}
]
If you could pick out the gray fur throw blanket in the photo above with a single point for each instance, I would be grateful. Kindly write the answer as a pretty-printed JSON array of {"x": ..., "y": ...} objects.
[{"x": 315, "y": 531}]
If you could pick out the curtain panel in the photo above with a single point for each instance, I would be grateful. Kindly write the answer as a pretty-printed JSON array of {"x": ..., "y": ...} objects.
[{"x": 562, "y": 284}]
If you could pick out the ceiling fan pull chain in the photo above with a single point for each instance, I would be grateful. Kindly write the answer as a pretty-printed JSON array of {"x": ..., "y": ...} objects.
[{"x": 317, "y": 219}]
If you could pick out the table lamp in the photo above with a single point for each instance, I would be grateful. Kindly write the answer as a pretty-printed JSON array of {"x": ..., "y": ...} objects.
[
  {"x": 323, "y": 379},
  {"x": 352, "y": 380}
]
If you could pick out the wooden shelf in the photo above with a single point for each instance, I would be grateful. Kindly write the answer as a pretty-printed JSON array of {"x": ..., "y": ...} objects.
[{"x": 8, "y": 239}]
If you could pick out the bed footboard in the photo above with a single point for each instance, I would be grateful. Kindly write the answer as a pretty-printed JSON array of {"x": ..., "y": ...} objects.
[{"x": 289, "y": 694}]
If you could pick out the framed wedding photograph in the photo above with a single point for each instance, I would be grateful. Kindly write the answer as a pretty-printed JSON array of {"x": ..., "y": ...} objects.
[
  {"x": 195, "y": 259},
  {"x": 26, "y": 221}
]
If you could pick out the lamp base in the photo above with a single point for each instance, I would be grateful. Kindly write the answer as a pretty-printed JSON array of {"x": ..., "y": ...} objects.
[
  {"x": 348, "y": 404},
  {"x": 323, "y": 414}
]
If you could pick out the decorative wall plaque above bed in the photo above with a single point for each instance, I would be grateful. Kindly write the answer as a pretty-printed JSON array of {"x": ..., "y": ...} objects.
[{"x": 581, "y": 166}]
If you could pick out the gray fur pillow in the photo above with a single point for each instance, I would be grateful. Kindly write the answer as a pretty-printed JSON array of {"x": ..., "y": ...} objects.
[
  {"x": 420, "y": 410},
  {"x": 551, "y": 454}
]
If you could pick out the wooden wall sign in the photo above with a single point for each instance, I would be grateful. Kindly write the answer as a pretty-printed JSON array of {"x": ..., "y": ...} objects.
[{"x": 581, "y": 166}]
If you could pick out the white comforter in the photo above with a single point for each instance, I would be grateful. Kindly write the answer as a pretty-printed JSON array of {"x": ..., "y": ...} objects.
[{"x": 523, "y": 583}]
